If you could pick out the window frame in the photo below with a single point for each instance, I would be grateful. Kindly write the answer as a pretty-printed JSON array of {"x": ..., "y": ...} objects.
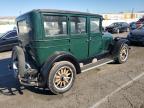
[{"x": 58, "y": 35}]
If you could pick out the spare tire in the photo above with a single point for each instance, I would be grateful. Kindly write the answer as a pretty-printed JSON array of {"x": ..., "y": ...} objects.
[{"x": 18, "y": 61}]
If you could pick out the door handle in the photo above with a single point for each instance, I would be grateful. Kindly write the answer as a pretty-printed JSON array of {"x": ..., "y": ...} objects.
[
  {"x": 87, "y": 40},
  {"x": 90, "y": 39}
]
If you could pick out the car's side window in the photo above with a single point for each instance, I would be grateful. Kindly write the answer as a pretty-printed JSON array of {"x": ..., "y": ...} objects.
[
  {"x": 125, "y": 24},
  {"x": 78, "y": 25},
  {"x": 94, "y": 25},
  {"x": 55, "y": 25}
]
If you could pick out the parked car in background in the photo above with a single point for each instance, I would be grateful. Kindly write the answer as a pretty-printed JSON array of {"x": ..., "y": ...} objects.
[
  {"x": 8, "y": 40},
  {"x": 136, "y": 36},
  {"x": 132, "y": 25},
  {"x": 140, "y": 22},
  {"x": 118, "y": 27}
]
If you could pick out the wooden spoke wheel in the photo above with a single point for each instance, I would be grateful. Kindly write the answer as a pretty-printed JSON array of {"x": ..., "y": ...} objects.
[
  {"x": 124, "y": 53},
  {"x": 61, "y": 77}
]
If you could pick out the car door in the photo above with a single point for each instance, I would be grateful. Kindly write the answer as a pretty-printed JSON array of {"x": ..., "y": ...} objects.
[
  {"x": 56, "y": 36},
  {"x": 8, "y": 41},
  {"x": 78, "y": 37},
  {"x": 95, "y": 39}
]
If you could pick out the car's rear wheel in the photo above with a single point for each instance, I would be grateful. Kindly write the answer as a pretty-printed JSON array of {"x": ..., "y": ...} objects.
[{"x": 61, "y": 77}]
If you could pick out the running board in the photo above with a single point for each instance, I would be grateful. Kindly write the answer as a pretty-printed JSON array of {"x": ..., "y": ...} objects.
[{"x": 95, "y": 65}]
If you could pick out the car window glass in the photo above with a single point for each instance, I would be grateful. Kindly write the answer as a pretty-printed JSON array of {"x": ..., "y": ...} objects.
[
  {"x": 125, "y": 24},
  {"x": 55, "y": 25},
  {"x": 141, "y": 20},
  {"x": 94, "y": 25},
  {"x": 120, "y": 24},
  {"x": 24, "y": 30},
  {"x": 114, "y": 24},
  {"x": 78, "y": 25}
]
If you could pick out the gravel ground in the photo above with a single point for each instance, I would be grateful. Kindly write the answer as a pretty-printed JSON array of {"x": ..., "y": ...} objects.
[{"x": 109, "y": 86}]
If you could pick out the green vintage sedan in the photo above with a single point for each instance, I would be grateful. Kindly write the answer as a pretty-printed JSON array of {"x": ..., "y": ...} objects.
[{"x": 56, "y": 45}]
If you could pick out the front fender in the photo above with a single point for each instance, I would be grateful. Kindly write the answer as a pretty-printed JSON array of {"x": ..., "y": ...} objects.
[
  {"x": 118, "y": 42},
  {"x": 121, "y": 40}
]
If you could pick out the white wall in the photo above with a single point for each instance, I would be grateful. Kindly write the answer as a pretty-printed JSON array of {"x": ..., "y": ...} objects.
[{"x": 4, "y": 28}]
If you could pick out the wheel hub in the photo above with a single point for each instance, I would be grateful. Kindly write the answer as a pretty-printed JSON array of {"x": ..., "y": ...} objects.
[
  {"x": 63, "y": 77},
  {"x": 124, "y": 53}
]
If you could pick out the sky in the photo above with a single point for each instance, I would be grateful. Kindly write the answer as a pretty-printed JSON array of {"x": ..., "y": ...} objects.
[{"x": 17, "y": 7}]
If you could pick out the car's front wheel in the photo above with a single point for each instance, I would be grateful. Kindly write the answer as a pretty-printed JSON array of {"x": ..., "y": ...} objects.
[
  {"x": 123, "y": 53},
  {"x": 61, "y": 77}
]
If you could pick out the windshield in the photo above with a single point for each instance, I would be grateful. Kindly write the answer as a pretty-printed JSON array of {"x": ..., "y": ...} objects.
[{"x": 115, "y": 24}]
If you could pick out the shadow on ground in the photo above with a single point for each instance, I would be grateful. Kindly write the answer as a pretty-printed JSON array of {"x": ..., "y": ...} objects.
[{"x": 10, "y": 86}]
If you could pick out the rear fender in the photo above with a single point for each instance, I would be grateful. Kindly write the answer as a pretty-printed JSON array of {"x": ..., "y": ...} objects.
[{"x": 56, "y": 57}]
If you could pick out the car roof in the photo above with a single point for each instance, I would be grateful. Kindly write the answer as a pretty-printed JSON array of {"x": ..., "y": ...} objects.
[
  {"x": 66, "y": 12},
  {"x": 61, "y": 12},
  {"x": 120, "y": 22},
  {"x": 11, "y": 31}
]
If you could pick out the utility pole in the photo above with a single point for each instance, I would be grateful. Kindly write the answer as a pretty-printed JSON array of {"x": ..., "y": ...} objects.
[
  {"x": 87, "y": 10},
  {"x": 20, "y": 12},
  {"x": 132, "y": 13}
]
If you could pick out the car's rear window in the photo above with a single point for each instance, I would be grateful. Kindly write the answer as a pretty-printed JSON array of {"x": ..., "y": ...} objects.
[
  {"x": 23, "y": 27},
  {"x": 24, "y": 30}
]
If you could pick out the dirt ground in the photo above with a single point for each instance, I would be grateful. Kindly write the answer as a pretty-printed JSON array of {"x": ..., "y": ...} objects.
[{"x": 109, "y": 86}]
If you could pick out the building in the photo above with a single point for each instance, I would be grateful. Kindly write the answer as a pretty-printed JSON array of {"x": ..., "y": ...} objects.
[
  {"x": 121, "y": 17},
  {"x": 7, "y": 20},
  {"x": 6, "y": 24}
]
